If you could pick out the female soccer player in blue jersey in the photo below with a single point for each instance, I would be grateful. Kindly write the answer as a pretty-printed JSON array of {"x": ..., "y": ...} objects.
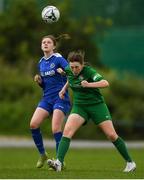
[
  {"x": 51, "y": 82},
  {"x": 88, "y": 103}
]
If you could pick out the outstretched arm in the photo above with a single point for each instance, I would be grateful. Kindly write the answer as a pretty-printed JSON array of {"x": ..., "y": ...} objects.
[
  {"x": 99, "y": 84},
  {"x": 61, "y": 71},
  {"x": 63, "y": 91}
]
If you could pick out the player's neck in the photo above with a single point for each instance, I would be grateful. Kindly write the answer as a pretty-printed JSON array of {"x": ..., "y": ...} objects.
[{"x": 47, "y": 55}]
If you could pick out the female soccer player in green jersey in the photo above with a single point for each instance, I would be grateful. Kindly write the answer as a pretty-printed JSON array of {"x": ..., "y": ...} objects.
[{"x": 88, "y": 103}]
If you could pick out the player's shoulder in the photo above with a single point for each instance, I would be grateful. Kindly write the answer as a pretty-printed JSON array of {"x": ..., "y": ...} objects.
[
  {"x": 40, "y": 60},
  {"x": 57, "y": 55},
  {"x": 88, "y": 68},
  {"x": 67, "y": 69}
]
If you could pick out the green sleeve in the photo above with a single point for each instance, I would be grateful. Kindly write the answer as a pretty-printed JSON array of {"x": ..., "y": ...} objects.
[
  {"x": 95, "y": 76},
  {"x": 67, "y": 69}
]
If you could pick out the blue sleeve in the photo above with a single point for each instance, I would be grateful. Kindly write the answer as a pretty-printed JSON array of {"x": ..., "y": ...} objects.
[{"x": 62, "y": 63}]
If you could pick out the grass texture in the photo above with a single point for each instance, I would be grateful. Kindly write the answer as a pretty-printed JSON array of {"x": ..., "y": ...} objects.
[{"x": 19, "y": 163}]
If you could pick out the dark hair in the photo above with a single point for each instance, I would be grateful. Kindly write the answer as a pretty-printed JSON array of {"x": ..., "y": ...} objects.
[
  {"x": 76, "y": 56},
  {"x": 56, "y": 39}
]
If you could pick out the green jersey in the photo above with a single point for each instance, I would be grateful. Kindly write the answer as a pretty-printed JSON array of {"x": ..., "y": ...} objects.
[{"x": 84, "y": 95}]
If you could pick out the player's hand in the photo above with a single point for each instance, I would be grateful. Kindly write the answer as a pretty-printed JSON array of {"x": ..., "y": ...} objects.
[
  {"x": 61, "y": 71},
  {"x": 38, "y": 79},
  {"x": 84, "y": 83},
  {"x": 62, "y": 93}
]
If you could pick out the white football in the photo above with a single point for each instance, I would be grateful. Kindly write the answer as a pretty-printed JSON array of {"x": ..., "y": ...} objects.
[{"x": 50, "y": 14}]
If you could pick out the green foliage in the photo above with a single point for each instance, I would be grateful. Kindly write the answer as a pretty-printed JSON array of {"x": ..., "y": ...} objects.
[
  {"x": 19, "y": 40},
  {"x": 22, "y": 28},
  {"x": 126, "y": 102},
  {"x": 19, "y": 96},
  {"x": 14, "y": 84}
]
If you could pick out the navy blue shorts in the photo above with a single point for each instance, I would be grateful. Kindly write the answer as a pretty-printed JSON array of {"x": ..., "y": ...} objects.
[{"x": 51, "y": 105}]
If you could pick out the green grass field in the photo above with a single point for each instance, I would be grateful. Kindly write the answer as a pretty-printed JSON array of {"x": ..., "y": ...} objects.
[{"x": 19, "y": 163}]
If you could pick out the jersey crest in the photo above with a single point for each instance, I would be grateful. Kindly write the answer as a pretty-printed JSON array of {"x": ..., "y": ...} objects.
[
  {"x": 81, "y": 78},
  {"x": 52, "y": 65}
]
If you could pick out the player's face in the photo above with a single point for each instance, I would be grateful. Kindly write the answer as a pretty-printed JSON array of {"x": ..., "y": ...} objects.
[
  {"x": 76, "y": 67},
  {"x": 47, "y": 45}
]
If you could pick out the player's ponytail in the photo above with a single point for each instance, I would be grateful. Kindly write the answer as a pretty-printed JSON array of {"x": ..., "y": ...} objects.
[
  {"x": 63, "y": 36},
  {"x": 57, "y": 39}
]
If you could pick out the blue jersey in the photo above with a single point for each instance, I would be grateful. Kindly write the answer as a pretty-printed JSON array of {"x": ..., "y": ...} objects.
[{"x": 52, "y": 81}]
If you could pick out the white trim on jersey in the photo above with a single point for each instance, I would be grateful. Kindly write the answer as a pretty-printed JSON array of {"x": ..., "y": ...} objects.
[
  {"x": 57, "y": 54},
  {"x": 54, "y": 54}
]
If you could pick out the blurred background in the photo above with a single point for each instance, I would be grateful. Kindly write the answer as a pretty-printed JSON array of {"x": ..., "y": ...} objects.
[{"x": 111, "y": 32}]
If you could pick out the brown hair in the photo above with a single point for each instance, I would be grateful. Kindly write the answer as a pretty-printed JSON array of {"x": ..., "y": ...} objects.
[
  {"x": 76, "y": 56},
  {"x": 56, "y": 39}
]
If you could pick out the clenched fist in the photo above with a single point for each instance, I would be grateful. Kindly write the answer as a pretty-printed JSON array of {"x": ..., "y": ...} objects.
[{"x": 38, "y": 79}]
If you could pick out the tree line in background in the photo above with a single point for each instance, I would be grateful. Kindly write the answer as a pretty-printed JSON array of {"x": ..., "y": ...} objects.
[{"x": 21, "y": 30}]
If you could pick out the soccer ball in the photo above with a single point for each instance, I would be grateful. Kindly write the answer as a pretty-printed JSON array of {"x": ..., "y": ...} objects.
[{"x": 50, "y": 14}]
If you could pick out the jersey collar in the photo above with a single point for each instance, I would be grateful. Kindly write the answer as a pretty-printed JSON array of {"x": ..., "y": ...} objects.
[{"x": 54, "y": 54}]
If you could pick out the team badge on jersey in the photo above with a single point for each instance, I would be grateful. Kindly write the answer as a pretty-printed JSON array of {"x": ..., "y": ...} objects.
[
  {"x": 81, "y": 78},
  {"x": 52, "y": 65}
]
